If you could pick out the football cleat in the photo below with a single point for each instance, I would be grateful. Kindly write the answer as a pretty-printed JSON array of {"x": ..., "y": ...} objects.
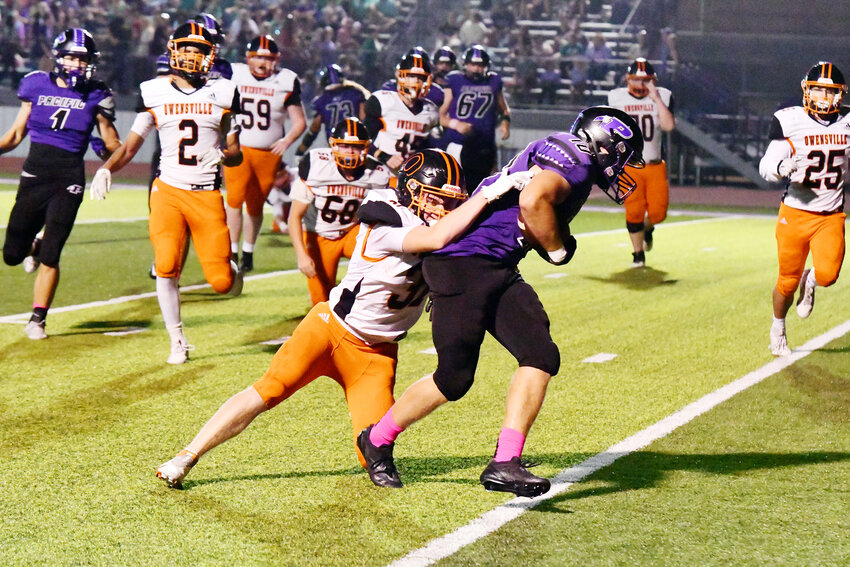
[
  {"x": 379, "y": 461},
  {"x": 647, "y": 239},
  {"x": 513, "y": 476},
  {"x": 152, "y": 271},
  {"x": 35, "y": 330},
  {"x": 806, "y": 300},
  {"x": 247, "y": 263},
  {"x": 179, "y": 351},
  {"x": 174, "y": 471},
  {"x": 238, "y": 280},
  {"x": 31, "y": 262},
  {"x": 638, "y": 259},
  {"x": 779, "y": 343}
]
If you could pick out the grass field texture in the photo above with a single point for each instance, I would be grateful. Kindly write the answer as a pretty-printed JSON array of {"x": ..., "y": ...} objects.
[{"x": 85, "y": 418}]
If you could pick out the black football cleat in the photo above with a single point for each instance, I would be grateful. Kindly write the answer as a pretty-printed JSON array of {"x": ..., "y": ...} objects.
[
  {"x": 247, "y": 264},
  {"x": 512, "y": 476},
  {"x": 379, "y": 461}
]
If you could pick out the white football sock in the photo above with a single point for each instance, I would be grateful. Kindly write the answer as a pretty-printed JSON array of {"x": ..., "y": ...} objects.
[{"x": 168, "y": 295}]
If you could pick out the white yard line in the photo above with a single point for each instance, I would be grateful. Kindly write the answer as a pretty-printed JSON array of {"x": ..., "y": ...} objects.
[
  {"x": 491, "y": 521},
  {"x": 22, "y": 318}
]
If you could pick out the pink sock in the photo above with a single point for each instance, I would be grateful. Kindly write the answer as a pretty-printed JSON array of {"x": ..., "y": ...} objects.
[
  {"x": 385, "y": 431},
  {"x": 509, "y": 445}
]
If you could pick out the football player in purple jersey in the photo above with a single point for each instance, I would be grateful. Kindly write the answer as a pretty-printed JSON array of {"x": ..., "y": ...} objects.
[
  {"x": 474, "y": 108},
  {"x": 58, "y": 110},
  {"x": 339, "y": 99},
  {"x": 563, "y": 167}
]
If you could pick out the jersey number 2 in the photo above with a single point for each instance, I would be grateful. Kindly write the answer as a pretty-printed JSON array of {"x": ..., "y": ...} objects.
[{"x": 188, "y": 141}]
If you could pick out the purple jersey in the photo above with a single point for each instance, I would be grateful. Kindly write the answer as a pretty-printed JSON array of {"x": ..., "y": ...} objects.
[
  {"x": 496, "y": 233},
  {"x": 337, "y": 104},
  {"x": 64, "y": 117},
  {"x": 474, "y": 102},
  {"x": 221, "y": 68}
]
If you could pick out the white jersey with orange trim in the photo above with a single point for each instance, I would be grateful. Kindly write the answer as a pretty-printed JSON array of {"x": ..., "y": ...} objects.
[
  {"x": 402, "y": 131},
  {"x": 263, "y": 105},
  {"x": 824, "y": 149},
  {"x": 189, "y": 124},
  {"x": 383, "y": 293},
  {"x": 333, "y": 199},
  {"x": 645, "y": 112}
]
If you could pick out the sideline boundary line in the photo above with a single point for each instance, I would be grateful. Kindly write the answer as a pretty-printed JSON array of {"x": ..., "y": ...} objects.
[{"x": 491, "y": 521}]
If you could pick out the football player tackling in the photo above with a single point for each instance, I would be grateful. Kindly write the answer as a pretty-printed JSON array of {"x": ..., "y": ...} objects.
[
  {"x": 808, "y": 151},
  {"x": 353, "y": 338},
  {"x": 191, "y": 115},
  {"x": 476, "y": 288}
]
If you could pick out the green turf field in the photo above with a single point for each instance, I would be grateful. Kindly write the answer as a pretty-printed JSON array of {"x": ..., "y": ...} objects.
[{"x": 86, "y": 417}]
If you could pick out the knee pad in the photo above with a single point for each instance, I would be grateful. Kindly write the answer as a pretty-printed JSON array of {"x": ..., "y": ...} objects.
[
  {"x": 634, "y": 227},
  {"x": 544, "y": 356},
  {"x": 453, "y": 384},
  {"x": 787, "y": 285}
]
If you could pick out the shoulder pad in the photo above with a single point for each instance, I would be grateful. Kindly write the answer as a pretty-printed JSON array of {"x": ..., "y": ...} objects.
[{"x": 379, "y": 212}]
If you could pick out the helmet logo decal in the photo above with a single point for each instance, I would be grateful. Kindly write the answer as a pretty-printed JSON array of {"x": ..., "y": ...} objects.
[{"x": 613, "y": 125}]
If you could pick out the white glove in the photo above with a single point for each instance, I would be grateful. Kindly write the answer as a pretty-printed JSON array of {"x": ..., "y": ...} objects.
[
  {"x": 210, "y": 158},
  {"x": 505, "y": 183},
  {"x": 101, "y": 184},
  {"x": 788, "y": 166}
]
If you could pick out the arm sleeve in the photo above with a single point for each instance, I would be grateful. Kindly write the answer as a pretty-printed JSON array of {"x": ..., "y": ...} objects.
[
  {"x": 776, "y": 151},
  {"x": 106, "y": 107},
  {"x": 295, "y": 96},
  {"x": 143, "y": 124},
  {"x": 373, "y": 116}
]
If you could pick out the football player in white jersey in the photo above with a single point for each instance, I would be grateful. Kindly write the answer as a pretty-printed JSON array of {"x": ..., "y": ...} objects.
[
  {"x": 808, "y": 151},
  {"x": 268, "y": 97},
  {"x": 652, "y": 107},
  {"x": 400, "y": 121},
  {"x": 330, "y": 186},
  {"x": 192, "y": 115},
  {"x": 354, "y": 337}
]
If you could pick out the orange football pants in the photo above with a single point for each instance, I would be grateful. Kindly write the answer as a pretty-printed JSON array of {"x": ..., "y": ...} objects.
[
  {"x": 797, "y": 232},
  {"x": 174, "y": 212},
  {"x": 321, "y": 346},
  {"x": 251, "y": 181},
  {"x": 326, "y": 255},
  {"x": 651, "y": 195}
]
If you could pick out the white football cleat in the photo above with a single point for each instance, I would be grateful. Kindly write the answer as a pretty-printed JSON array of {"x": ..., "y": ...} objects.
[
  {"x": 238, "y": 280},
  {"x": 174, "y": 471},
  {"x": 806, "y": 300},
  {"x": 179, "y": 351},
  {"x": 30, "y": 264},
  {"x": 779, "y": 344},
  {"x": 35, "y": 330}
]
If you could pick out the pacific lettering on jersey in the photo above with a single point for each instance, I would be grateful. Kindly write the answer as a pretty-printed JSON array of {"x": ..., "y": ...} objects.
[
  {"x": 61, "y": 101},
  {"x": 188, "y": 108},
  {"x": 822, "y": 139}
]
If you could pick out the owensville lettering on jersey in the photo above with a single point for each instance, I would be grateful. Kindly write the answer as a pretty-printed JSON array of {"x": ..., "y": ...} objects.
[
  {"x": 249, "y": 89},
  {"x": 63, "y": 101},
  {"x": 346, "y": 191},
  {"x": 639, "y": 108},
  {"x": 188, "y": 108},
  {"x": 819, "y": 139},
  {"x": 411, "y": 126}
]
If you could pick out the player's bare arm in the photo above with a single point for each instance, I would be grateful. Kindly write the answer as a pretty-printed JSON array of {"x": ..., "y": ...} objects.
[
  {"x": 298, "y": 125},
  {"x": 296, "y": 234},
  {"x": 505, "y": 116},
  {"x": 18, "y": 131},
  {"x": 537, "y": 207},
  {"x": 108, "y": 133},
  {"x": 665, "y": 118}
]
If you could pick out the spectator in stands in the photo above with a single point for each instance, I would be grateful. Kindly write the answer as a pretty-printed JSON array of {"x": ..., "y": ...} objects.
[
  {"x": 669, "y": 55},
  {"x": 578, "y": 79},
  {"x": 550, "y": 81},
  {"x": 241, "y": 31},
  {"x": 473, "y": 30},
  {"x": 599, "y": 55},
  {"x": 503, "y": 20},
  {"x": 620, "y": 10}
]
